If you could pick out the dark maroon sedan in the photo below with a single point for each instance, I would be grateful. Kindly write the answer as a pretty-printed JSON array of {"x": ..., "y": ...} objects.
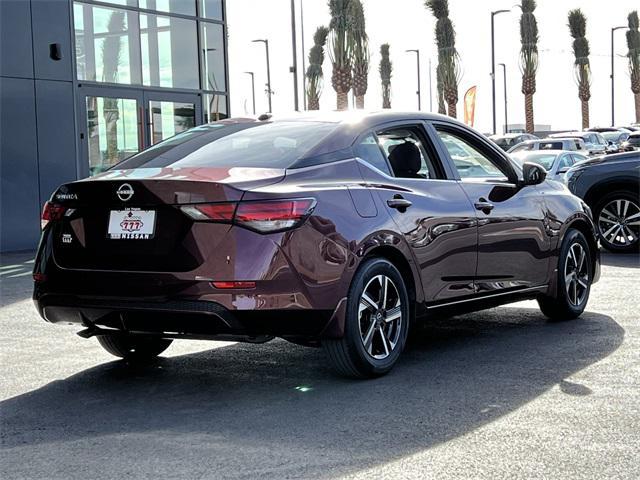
[{"x": 338, "y": 231}]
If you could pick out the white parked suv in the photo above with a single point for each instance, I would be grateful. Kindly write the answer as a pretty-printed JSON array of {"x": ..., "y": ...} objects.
[
  {"x": 566, "y": 144},
  {"x": 596, "y": 143}
]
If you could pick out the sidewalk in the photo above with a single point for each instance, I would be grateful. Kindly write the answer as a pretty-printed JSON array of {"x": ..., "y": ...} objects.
[{"x": 15, "y": 276}]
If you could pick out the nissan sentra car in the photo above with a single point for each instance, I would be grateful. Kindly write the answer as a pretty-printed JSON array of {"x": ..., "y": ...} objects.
[{"x": 340, "y": 231}]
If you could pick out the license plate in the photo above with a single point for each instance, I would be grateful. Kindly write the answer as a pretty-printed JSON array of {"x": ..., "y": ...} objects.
[{"x": 131, "y": 224}]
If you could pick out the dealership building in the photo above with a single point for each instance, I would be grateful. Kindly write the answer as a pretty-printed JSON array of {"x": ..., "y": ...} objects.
[{"x": 85, "y": 84}]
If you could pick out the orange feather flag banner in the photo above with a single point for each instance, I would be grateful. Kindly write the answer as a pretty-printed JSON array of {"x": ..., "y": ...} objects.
[{"x": 470, "y": 106}]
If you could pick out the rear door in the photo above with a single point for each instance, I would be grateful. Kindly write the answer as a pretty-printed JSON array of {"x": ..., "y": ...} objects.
[
  {"x": 431, "y": 211},
  {"x": 513, "y": 248}
]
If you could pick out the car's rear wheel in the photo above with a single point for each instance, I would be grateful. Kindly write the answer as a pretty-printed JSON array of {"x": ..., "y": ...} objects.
[
  {"x": 574, "y": 279},
  {"x": 618, "y": 219},
  {"x": 133, "y": 347},
  {"x": 376, "y": 324}
]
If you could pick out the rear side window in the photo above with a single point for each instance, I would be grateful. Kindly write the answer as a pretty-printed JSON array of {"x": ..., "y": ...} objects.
[
  {"x": 551, "y": 146},
  {"x": 270, "y": 145},
  {"x": 369, "y": 151}
]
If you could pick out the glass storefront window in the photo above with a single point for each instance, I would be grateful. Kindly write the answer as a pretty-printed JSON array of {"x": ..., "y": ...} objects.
[
  {"x": 107, "y": 44},
  {"x": 214, "y": 107},
  {"x": 170, "y": 118},
  {"x": 169, "y": 53},
  {"x": 112, "y": 131},
  {"x": 184, "y": 7},
  {"x": 213, "y": 57},
  {"x": 211, "y": 9}
]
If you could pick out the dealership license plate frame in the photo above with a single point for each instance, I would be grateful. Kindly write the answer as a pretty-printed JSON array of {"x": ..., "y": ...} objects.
[{"x": 122, "y": 224}]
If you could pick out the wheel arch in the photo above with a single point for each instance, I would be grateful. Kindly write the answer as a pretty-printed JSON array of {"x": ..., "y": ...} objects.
[{"x": 597, "y": 191}]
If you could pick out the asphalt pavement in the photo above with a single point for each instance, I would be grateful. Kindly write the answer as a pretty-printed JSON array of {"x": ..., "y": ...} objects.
[{"x": 496, "y": 394}]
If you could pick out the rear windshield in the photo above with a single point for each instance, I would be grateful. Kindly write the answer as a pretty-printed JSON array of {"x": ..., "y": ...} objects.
[
  {"x": 545, "y": 160},
  {"x": 506, "y": 142},
  {"x": 551, "y": 146},
  {"x": 271, "y": 145}
]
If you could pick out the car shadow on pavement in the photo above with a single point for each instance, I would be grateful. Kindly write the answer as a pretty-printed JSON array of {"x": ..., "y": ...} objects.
[
  {"x": 276, "y": 411},
  {"x": 624, "y": 260}
]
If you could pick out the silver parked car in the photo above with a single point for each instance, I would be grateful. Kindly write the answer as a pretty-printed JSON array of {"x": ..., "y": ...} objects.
[
  {"x": 595, "y": 142},
  {"x": 555, "y": 162},
  {"x": 509, "y": 140},
  {"x": 569, "y": 144}
]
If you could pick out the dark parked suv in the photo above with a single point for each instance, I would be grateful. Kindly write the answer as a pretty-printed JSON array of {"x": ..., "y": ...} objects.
[
  {"x": 336, "y": 231},
  {"x": 611, "y": 187}
]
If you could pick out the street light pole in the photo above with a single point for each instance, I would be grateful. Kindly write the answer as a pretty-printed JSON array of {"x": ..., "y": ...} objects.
[
  {"x": 294, "y": 68},
  {"x": 266, "y": 46},
  {"x": 493, "y": 65},
  {"x": 506, "y": 120},
  {"x": 253, "y": 90},
  {"x": 613, "y": 83},
  {"x": 417, "y": 51}
]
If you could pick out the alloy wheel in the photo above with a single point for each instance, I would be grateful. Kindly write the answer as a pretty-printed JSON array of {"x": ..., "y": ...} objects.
[
  {"x": 380, "y": 317},
  {"x": 576, "y": 274},
  {"x": 619, "y": 223}
]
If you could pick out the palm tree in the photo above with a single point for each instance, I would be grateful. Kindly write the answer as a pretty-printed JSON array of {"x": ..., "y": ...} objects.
[
  {"x": 633, "y": 42},
  {"x": 442, "y": 108},
  {"x": 314, "y": 70},
  {"x": 448, "y": 58},
  {"x": 578, "y": 30},
  {"x": 360, "y": 53},
  {"x": 385, "y": 75},
  {"x": 528, "y": 58},
  {"x": 341, "y": 49}
]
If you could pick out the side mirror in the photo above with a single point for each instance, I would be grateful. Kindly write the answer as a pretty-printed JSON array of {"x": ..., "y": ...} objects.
[
  {"x": 533, "y": 174},
  {"x": 563, "y": 170}
]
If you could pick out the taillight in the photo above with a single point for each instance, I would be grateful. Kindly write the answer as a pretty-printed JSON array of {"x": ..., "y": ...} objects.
[
  {"x": 266, "y": 216},
  {"x": 50, "y": 213},
  {"x": 218, "y": 212}
]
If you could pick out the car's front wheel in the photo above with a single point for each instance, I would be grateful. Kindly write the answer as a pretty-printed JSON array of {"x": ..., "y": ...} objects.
[
  {"x": 574, "y": 279},
  {"x": 133, "y": 347},
  {"x": 376, "y": 325},
  {"x": 618, "y": 219}
]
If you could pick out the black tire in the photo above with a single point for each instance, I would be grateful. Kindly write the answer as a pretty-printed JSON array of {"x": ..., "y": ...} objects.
[
  {"x": 348, "y": 355},
  {"x": 604, "y": 222},
  {"x": 133, "y": 348},
  {"x": 569, "y": 303}
]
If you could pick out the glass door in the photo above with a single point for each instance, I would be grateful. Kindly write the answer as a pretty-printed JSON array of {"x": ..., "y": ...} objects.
[
  {"x": 111, "y": 127},
  {"x": 116, "y": 123},
  {"x": 170, "y": 114}
]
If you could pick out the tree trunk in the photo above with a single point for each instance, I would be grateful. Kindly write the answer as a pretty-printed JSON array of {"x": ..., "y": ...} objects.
[
  {"x": 585, "y": 114},
  {"x": 313, "y": 103},
  {"x": 360, "y": 102},
  {"x": 342, "y": 100},
  {"x": 637, "y": 99},
  {"x": 453, "y": 112},
  {"x": 528, "y": 112},
  {"x": 386, "y": 103}
]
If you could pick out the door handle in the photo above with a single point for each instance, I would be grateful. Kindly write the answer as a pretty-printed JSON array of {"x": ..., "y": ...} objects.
[
  {"x": 483, "y": 205},
  {"x": 399, "y": 203}
]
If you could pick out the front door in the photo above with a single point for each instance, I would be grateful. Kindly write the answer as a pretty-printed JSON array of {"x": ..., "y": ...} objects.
[
  {"x": 115, "y": 123},
  {"x": 513, "y": 245}
]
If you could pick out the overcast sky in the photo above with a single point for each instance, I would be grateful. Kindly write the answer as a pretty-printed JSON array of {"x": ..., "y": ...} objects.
[{"x": 406, "y": 24}]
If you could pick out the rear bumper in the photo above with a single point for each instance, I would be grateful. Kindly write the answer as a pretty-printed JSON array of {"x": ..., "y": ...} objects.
[{"x": 181, "y": 318}]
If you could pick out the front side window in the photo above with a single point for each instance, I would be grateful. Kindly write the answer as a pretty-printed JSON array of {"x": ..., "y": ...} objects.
[
  {"x": 565, "y": 162},
  {"x": 468, "y": 160},
  {"x": 407, "y": 154}
]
